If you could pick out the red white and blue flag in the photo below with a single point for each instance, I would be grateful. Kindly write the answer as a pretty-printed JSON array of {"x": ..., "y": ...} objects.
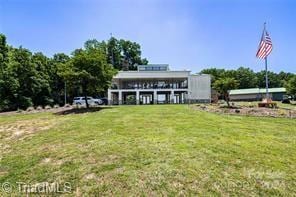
[{"x": 265, "y": 46}]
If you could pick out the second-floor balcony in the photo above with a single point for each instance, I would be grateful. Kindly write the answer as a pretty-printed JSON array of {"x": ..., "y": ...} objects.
[{"x": 150, "y": 84}]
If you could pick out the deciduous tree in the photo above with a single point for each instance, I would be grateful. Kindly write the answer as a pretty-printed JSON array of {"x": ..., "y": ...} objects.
[
  {"x": 291, "y": 86},
  {"x": 223, "y": 85},
  {"x": 90, "y": 70}
]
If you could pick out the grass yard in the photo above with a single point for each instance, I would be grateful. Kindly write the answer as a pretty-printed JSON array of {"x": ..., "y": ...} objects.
[{"x": 150, "y": 151}]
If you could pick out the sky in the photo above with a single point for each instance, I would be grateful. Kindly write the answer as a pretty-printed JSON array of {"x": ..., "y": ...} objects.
[{"x": 186, "y": 34}]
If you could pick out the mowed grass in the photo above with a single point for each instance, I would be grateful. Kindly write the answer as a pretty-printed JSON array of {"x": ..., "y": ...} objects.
[{"x": 151, "y": 151}]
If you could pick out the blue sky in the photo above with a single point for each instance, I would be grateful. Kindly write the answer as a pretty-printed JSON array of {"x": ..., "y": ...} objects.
[{"x": 187, "y": 34}]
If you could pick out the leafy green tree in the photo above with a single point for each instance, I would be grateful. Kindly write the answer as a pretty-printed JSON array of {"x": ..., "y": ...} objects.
[
  {"x": 114, "y": 53},
  {"x": 224, "y": 85},
  {"x": 273, "y": 80},
  {"x": 9, "y": 87},
  {"x": 28, "y": 79},
  {"x": 92, "y": 44},
  {"x": 132, "y": 53},
  {"x": 246, "y": 77},
  {"x": 8, "y": 84},
  {"x": 284, "y": 77},
  {"x": 58, "y": 84},
  {"x": 229, "y": 74},
  {"x": 3, "y": 52},
  {"x": 24, "y": 70},
  {"x": 214, "y": 72},
  {"x": 290, "y": 86},
  {"x": 90, "y": 70},
  {"x": 122, "y": 54},
  {"x": 43, "y": 91},
  {"x": 61, "y": 58}
]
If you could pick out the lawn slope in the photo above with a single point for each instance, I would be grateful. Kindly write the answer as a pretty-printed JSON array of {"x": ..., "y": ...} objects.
[{"x": 151, "y": 150}]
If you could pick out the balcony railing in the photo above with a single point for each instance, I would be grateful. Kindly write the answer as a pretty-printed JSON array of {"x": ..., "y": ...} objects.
[
  {"x": 151, "y": 84},
  {"x": 115, "y": 87}
]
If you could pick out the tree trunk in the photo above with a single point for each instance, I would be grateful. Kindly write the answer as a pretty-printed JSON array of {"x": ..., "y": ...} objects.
[
  {"x": 85, "y": 95},
  {"x": 226, "y": 96},
  {"x": 86, "y": 102}
]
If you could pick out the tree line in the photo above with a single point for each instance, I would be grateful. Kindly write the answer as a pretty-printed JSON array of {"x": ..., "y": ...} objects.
[
  {"x": 33, "y": 79},
  {"x": 247, "y": 78},
  {"x": 243, "y": 78}
]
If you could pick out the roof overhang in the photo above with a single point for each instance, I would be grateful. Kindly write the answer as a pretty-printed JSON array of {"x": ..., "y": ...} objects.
[
  {"x": 256, "y": 91},
  {"x": 151, "y": 74}
]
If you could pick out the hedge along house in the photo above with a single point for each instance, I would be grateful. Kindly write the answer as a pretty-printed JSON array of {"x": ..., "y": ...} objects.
[
  {"x": 156, "y": 84},
  {"x": 256, "y": 94}
]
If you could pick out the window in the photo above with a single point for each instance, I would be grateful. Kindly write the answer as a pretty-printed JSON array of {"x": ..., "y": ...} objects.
[{"x": 153, "y": 68}]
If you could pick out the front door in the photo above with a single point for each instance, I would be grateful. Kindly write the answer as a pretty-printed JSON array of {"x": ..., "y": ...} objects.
[
  {"x": 146, "y": 99},
  {"x": 176, "y": 98}
]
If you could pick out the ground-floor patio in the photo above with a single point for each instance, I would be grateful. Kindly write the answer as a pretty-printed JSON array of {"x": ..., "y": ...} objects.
[{"x": 146, "y": 97}]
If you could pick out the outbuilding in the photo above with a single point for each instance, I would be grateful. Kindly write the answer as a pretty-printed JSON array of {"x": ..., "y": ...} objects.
[{"x": 256, "y": 94}]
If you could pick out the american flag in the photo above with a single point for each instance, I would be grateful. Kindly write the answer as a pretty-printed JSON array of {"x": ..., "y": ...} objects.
[{"x": 265, "y": 46}]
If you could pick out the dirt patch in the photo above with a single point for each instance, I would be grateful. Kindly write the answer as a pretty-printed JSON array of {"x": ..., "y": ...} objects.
[
  {"x": 251, "y": 111},
  {"x": 3, "y": 172},
  {"x": 80, "y": 110},
  {"x": 58, "y": 110},
  {"x": 91, "y": 176},
  {"x": 50, "y": 161},
  {"x": 46, "y": 160},
  {"x": 19, "y": 129},
  {"x": 34, "y": 111}
]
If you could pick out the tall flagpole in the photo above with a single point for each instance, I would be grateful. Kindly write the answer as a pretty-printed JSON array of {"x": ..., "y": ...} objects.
[
  {"x": 264, "y": 49},
  {"x": 266, "y": 72},
  {"x": 266, "y": 79}
]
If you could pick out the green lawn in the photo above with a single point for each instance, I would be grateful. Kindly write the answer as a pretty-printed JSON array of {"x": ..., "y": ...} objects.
[{"x": 150, "y": 150}]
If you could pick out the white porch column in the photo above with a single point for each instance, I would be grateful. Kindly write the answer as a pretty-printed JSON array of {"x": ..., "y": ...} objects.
[
  {"x": 137, "y": 97},
  {"x": 172, "y": 96},
  {"x": 119, "y": 97},
  {"x": 188, "y": 97},
  {"x": 154, "y": 97},
  {"x": 109, "y": 97}
]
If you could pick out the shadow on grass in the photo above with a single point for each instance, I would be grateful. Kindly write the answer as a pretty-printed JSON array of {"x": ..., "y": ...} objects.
[{"x": 81, "y": 110}]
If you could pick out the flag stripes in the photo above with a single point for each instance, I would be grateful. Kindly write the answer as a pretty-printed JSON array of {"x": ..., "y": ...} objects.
[{"x": 265, "y": 46}]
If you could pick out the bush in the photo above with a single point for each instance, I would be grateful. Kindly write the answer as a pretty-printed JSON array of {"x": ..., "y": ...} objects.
[
  {"x": 47, "y": 107},
  {"x": 203, "y": 107},
  {"x": 221, "y": 102},
  {"x": 39, "y": 108},
  {"x": 30, "y": 109},
  {"x": 19, "y": 110},
  {"x": 5, "y": 105},
  {"x": 25, "y": 102},
  {"x": 67, "y": 105}
]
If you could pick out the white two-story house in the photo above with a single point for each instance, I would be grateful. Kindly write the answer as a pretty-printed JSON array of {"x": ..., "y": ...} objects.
[{"x": 156, "y": 84}]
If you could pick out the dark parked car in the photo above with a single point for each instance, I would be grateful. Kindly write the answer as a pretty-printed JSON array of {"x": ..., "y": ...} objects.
[
  {"x": 103, "y": 99},
  {"x": 286, "y": 99}
]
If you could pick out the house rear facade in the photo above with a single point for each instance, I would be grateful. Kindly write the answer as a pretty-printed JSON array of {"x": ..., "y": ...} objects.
[{"x": 157, "y": 84}]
